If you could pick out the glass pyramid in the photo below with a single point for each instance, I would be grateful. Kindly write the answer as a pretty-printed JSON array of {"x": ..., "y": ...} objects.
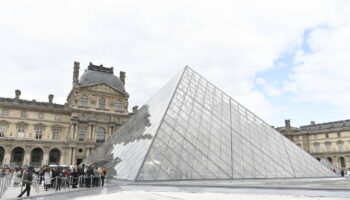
[{"x": 191, "y": 130}]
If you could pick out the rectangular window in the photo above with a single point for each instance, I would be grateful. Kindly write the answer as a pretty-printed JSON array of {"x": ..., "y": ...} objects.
[
  {"x": 341, "y": 146},
  {"x": 119, "y": 106},
  {"x": 55, "y": 134},
  {"x": 338, "y": 134},
  {"x": 21, "y": 131},
  {"x": 327, "y": 136},
  {"x": 2, "y": 131},
  {"x": 4, "y": 112},
  {"x": 57, "y": 117},
  {"x": 23, "y": 114},
  {"x": 82, "y": 131},
  {"x": 102, "y": 103},
  {"x": 38, "y": 133},
  {"x": 317, "y": 147},
  {"x": 328, "y": 147},
  {"x": 40, "y": 115}
]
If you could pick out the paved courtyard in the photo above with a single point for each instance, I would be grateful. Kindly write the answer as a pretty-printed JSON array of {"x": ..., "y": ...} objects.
[{"x": 335, "y": 188}]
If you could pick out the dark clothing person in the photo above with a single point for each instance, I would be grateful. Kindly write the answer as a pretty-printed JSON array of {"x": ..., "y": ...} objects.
[
  {"x": 58, "y": 180},
  {"x": 27, "y": 181},
  {"x": 81, "y": 173},
  {"x": 75, "y": 178},
  {"x": 342, "y": 173},
  {"x": 89, "y": 177}
]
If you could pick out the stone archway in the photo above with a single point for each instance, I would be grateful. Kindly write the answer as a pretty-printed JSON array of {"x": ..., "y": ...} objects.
[
  {"x": 2, "y": 155},
  {"x": 330, "y": 159},
  {"x": 54, "y": 156},
  {"x": 17, "y": 156},
  {"x": 36, "y": 157},
  {"x": 342, "y": 163}
]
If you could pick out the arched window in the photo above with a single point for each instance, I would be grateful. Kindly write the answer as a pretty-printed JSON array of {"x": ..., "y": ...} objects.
[
  {"x": 2, "y": 154},
  {"x": 100, "y": 136},
  {"x": 119, "y": 106},
  {"x": 84, "y": 101},
  {"x": 54, "y": 156},
  {"x": 36, "y": 157},
  {"x": 17, "y": 156},
  {"x": 342, "y": 162},
  {"x": 102, "y": 103}
]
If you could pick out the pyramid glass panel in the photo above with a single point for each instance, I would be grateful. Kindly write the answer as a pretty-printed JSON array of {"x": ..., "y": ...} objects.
[{"x": 196, "y": 131}]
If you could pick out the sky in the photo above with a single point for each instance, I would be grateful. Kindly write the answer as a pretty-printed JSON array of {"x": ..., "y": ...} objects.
[{"x": 281, "y": 59}]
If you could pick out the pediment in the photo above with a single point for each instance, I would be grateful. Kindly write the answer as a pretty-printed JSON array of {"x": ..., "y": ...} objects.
[
  {"x": 102, "y": 87},
  {"x": 4, "y": 123}
]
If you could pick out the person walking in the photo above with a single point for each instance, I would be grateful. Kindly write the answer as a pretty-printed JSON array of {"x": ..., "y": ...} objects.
[{"x": 27, "y": 181}]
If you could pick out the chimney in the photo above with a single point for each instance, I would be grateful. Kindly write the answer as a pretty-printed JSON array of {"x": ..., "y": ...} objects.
[
  {"x": 76, "y": 73},
  {"x": 287, "y": 122},
  {"x": 312, "y": 122},
  {"x": 50, "y": 98},
  {"x": 135, "y": 109},
  {"x": 122, "y": 76},
  {"x": 18, "y": 93}
]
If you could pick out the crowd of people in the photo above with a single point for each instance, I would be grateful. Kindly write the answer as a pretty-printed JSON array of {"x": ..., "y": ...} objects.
[{"x": 56, "y": 177}]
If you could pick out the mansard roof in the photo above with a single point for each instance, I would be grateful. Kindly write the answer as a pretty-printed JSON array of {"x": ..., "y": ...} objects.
[
  {"x": 326, "y": 126},
  {"x": 98, "y": 74},
  {"x": 27, "y": 102}
]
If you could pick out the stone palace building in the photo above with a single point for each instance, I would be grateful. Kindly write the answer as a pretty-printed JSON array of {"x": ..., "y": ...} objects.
[
  {"x": 40, "y": 133},
  {"x": 329, "y": 140}
]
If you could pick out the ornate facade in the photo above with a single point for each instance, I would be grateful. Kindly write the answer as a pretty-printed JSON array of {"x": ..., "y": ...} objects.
[
  {"x": 329, "y": 140},
  {"x": 40, "y": 133}
]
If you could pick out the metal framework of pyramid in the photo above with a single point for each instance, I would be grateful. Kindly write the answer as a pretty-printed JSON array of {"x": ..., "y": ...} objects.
[{"x": 191, "y": 130}]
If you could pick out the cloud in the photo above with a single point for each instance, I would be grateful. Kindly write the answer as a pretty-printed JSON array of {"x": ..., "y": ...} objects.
[
  {"x": 323, "y": 75},
  {"x": 228, "y": 42}
]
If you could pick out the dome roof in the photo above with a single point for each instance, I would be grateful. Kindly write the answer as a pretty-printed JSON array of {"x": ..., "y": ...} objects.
[{"x": 99, "y": 74}]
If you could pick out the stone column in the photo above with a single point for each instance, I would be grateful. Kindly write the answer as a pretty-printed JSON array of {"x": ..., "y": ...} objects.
[
  {"x": 65, "y": 155},
  {"x": 46, "y": 155},
  {"x": 26, "y": 159},
  {"x": 7, "y": 156},
  {"x": 74, "y": 130},
  {"x": 92, "y": 132},
  {"x": 73, "y": 156}
]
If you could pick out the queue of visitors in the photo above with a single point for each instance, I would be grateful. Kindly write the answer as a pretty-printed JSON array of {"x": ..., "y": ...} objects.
[{"x": 56, "y": 177}]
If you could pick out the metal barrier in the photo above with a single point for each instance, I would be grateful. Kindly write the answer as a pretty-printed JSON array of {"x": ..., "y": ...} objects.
[
  {"x": 58, "y": 182},
  {"x": 67, "y": 182},
  {"x": 5, "y": 182}
]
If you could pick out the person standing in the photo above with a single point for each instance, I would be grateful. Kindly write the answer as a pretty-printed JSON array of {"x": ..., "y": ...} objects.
[
  {"x": 103, "y": 175},
  {"x": 75, "y": 178},
  {"x": 47, "y": 178},
  {"x": 27, "y": 181}
]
